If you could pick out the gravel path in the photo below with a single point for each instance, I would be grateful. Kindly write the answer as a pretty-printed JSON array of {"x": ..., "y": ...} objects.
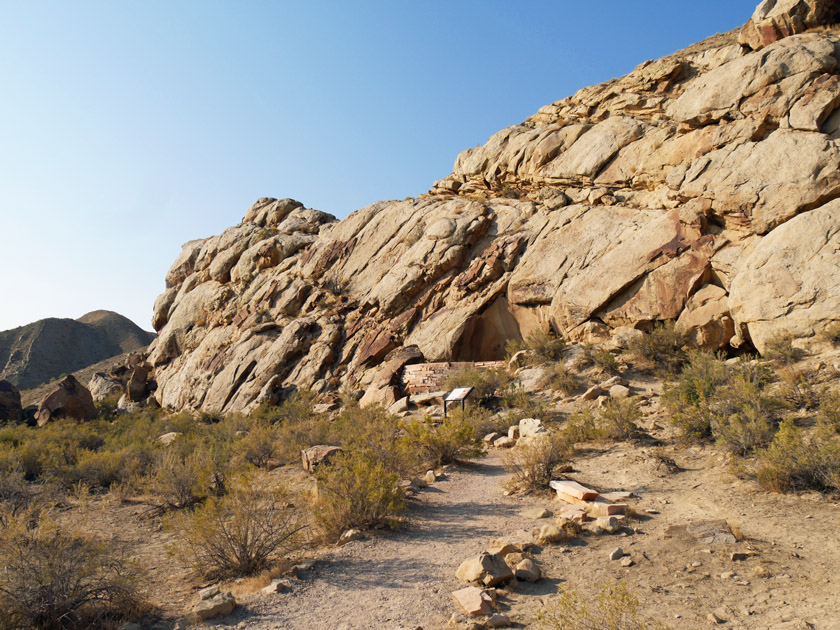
[{"x": 402, "y": 579}]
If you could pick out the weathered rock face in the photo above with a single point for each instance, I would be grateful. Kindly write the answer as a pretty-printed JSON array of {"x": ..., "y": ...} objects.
[
  {"x": 68, "y": 399},
  {"x": 775, "y": 19},
  {"x": 662, "y": 195}
]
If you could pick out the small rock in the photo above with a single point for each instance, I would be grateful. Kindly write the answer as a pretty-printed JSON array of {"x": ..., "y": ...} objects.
[
  {"x": 503, "y": 548},
  {"x": 530, "y": 426},
  {"x": 167, "y": 438},
  {"x": 727, "y": 575},
  {"x": 714, "y": 618},
  {"x": 419, "y": 483},
  {"x": 528, "y": 571},
  {"x": 609, "y": 524},
  {"x": 430, "y": 476},
  {"x": 349, "y": 536},
  {"x": 277, "y": 586},
  {"x": 513, "y": 432},
  {"x": 616, "y": 553},
  {"x": 737, "y": 556},
  {"x": 489, "y": 569},
  {"x": 209, "y": 592},
  {"x": 498, "y": 620},
  {"x": 627, "y": 561},
  {"x": 456, "y": 620},
  {"x": 399, "y": 406},
  {"x": 491, "y": 437},
  {"x": 504, "y": 442},
  {"x": 592, "y": 393},
  {"x": 619, "y": 391},
  {"x": 536, "y": 513},
  {"x": 475, "y": 601},
  {"x": 551, "y": 534},
  {"x": 218, "y": 606}
]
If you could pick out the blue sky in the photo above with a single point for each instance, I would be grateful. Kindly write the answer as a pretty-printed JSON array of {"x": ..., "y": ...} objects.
[{"x": 129, "y": 128}]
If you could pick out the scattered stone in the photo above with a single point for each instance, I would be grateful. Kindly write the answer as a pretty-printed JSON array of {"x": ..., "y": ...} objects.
[
  {"x": 209, "y": 592},
  {"x": 430, "y": 476},
  {"x": 475, "y": 601},
  {"x": 529, "y": 427},
  {"x": 167, "y": 438},
  {"x": 737, "y": 556},
  {"x": 607, "y": 509},
  {"x": 616, "y": 553},
  {"x": 519, "y": 359},
  {"x": 627, "y": 561},
  {"x": 592, "y": 393},
  {"x": 616, "y": 497},
  {"x": 513, "y": 432},
  {"x": 417, "y": 482},
  {"x": 498, "y": 620},
  {"x": 277, "y": 586},
  {"x": 619, "y": 391},
  {"x": 528, "y": 571},
  {"x": 503, "y": 548},
  {"x": 504, "y": 442},
  {"x": 707, "y": 532},
  {"x": 317, "y": 455},
  {"x": 573, "y": 489},
  {"x": 301, "y": 567},
  {"x": 491, "y": 437},
  {"x": 349, "y": 536},
  {"x": 457, "y": 620},
  {"x": 536, "y": 513},
  {"x": 609, "y": 524},
  {"x": 715, "y": 618},
  {"x": 218, "y": 606},
  {"x": 489, "y": 569},
  {"x": 727, "y": 575},
  {"x": 615, "y": 380},
  {"x": 399, "y": 406}
]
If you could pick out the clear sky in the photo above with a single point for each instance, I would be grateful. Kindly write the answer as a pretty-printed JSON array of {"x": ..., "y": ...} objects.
[{"x": 128, "y": 128}]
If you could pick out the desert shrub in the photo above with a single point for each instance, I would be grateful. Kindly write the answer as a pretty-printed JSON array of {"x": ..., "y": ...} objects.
[
  {"x": 662, "y": 347},
  {"x": 829, "y": 411},
  {"x": 533, "y": 461},
  {"x": 16, "y": 496},
  {"x": 797, "y": 388},
  {"x": 259, "y": 446},
  {"x": 794, "y": 461},
  {"x": 615, "y": 607},
  {"x": 181, "y": 481},
  {"x": 484, "y": 420},
  {"x": 601, "y": 358},
  {"x": 560, "y": 378},
  {"x": 59, "y": 580},
  {"x": 781, "y": 350},
  {"x": 356, "y": 492},
  {"x": 487, "y": 383},
  {"x": 542, "y": 345},
  {"x": 239, "y": 534},
  {"x": 581, "y": 426},
  {"x": 688, "y": 398},
  {"x": 618, "y": 420},
  {"x": 445, "y": 442},
  {"x": 374, "y": 433},
  {"x": 831, "y": 334},
  {"x": 295, "y": 435}
]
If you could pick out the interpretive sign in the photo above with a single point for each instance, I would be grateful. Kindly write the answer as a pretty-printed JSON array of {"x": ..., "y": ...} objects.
[{"x": 459, "y": 394}]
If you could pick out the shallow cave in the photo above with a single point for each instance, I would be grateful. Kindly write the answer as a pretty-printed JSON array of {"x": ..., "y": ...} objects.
[{"x": 486, "y": 334}]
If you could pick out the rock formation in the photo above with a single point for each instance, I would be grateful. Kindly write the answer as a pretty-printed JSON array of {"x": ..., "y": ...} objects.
[
  {"x": 698, "y": 188},
  {"x": 68, "y": 399},
  {"x": 10, "y": 407},
  {"x": 49, "y": 348}
]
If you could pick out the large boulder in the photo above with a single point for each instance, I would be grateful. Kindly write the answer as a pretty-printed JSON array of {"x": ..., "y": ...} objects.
[
  {"x": 102, "y": 386},
  {"x": 10, "y": 407},
  {"x": 776, "y": 19},
  {"x": 68, "y": 399}
]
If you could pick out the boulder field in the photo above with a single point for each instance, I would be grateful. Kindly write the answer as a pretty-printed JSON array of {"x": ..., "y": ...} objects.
[{"x": 701, "y": 188}]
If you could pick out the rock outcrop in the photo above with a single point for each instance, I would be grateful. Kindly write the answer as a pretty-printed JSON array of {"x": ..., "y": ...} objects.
[
  {"x": 68, "y": 399},
  {"x": 698, "y": 188},
  {"x": 10, "y": 407},
  {"x": 776, "y": 19},
  {"x": 50, "y": 348}
]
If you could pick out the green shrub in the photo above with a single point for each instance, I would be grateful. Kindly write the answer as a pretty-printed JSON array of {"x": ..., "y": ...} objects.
[
  {"x": 581, "y": 426},
  {"x": 239, "y": 534},
  {"x": 444, "y": 442},
  {"x": 59, "y": 580},
  {"x": 356, "y": 492},
  {"x": 542, "y": 345},
  {"x": 689, "y": 398},
  {"x": 829, "y": 410},
  {"x": 259, "y": 446},
  {"x": 794, "y": 461},
  {"x": 615, "y": 607},
  {"x": 781, "y": 350},
  {"x": 662, "y": 347},
  {"x": 797, "y": 388},
  {"x": 487, "y": 383},
  {"x": 533, "y": 461},
  {"x": 181, "y": 481}
]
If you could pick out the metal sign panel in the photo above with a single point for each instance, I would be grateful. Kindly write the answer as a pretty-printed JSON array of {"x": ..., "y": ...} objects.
[{"x": 459, "y": 394}]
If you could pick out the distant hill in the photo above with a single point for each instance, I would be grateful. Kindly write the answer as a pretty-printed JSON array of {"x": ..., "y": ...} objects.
[{"x": 36, "y": 353}]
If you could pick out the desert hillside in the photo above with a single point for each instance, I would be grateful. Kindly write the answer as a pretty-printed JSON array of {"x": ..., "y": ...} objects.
[{"x": 34, "y": 354}]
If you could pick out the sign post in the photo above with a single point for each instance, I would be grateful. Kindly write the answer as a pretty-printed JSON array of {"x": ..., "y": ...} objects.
[{"x": 459, "y": 394}]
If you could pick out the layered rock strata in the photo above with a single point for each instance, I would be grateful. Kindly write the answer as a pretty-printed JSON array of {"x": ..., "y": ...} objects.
[{"x": 699, "y": 188}]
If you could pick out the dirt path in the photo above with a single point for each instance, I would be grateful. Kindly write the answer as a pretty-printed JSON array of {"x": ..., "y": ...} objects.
[{"x": 402, "y": 579}]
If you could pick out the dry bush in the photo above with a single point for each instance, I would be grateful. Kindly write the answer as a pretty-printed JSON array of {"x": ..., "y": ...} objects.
[
  {"x": 356, "y": 492},
  {"x": 542, "y": 345},
  {"x": 662, "y": 347},
  {"x": 444, "y": 442},
  {"x": 829, "y": 410},
  {"x": 619, "y": 418},
  {"x": 797, "y": 388},
  {"x": 259, "y": 446},
  {"x": 239, "y": 534},
  {"x": 533, "y": 461},
  {"x": 560, "y": 378},
  {"x": 615, "y": 607},
  {"x": 582, "y": 426},
  {"x": 781, "y": 350},
  {"x": 830, "y": 334},
  {"x": 602, "y": 359},
  {"x": 688, "y": 398},
  {"x": 375, "y": 434},
  {"x": 487, "y": 384},
  {"x": 58, "y": 580},
  {"x": 795, "y": 461},
  {"x": 180, "y": 481}
]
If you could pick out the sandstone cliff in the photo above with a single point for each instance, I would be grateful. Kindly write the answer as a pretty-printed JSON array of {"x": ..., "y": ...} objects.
[
  {"x": 33, "y": 354},
  {"x": 701, "y": 188}
]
